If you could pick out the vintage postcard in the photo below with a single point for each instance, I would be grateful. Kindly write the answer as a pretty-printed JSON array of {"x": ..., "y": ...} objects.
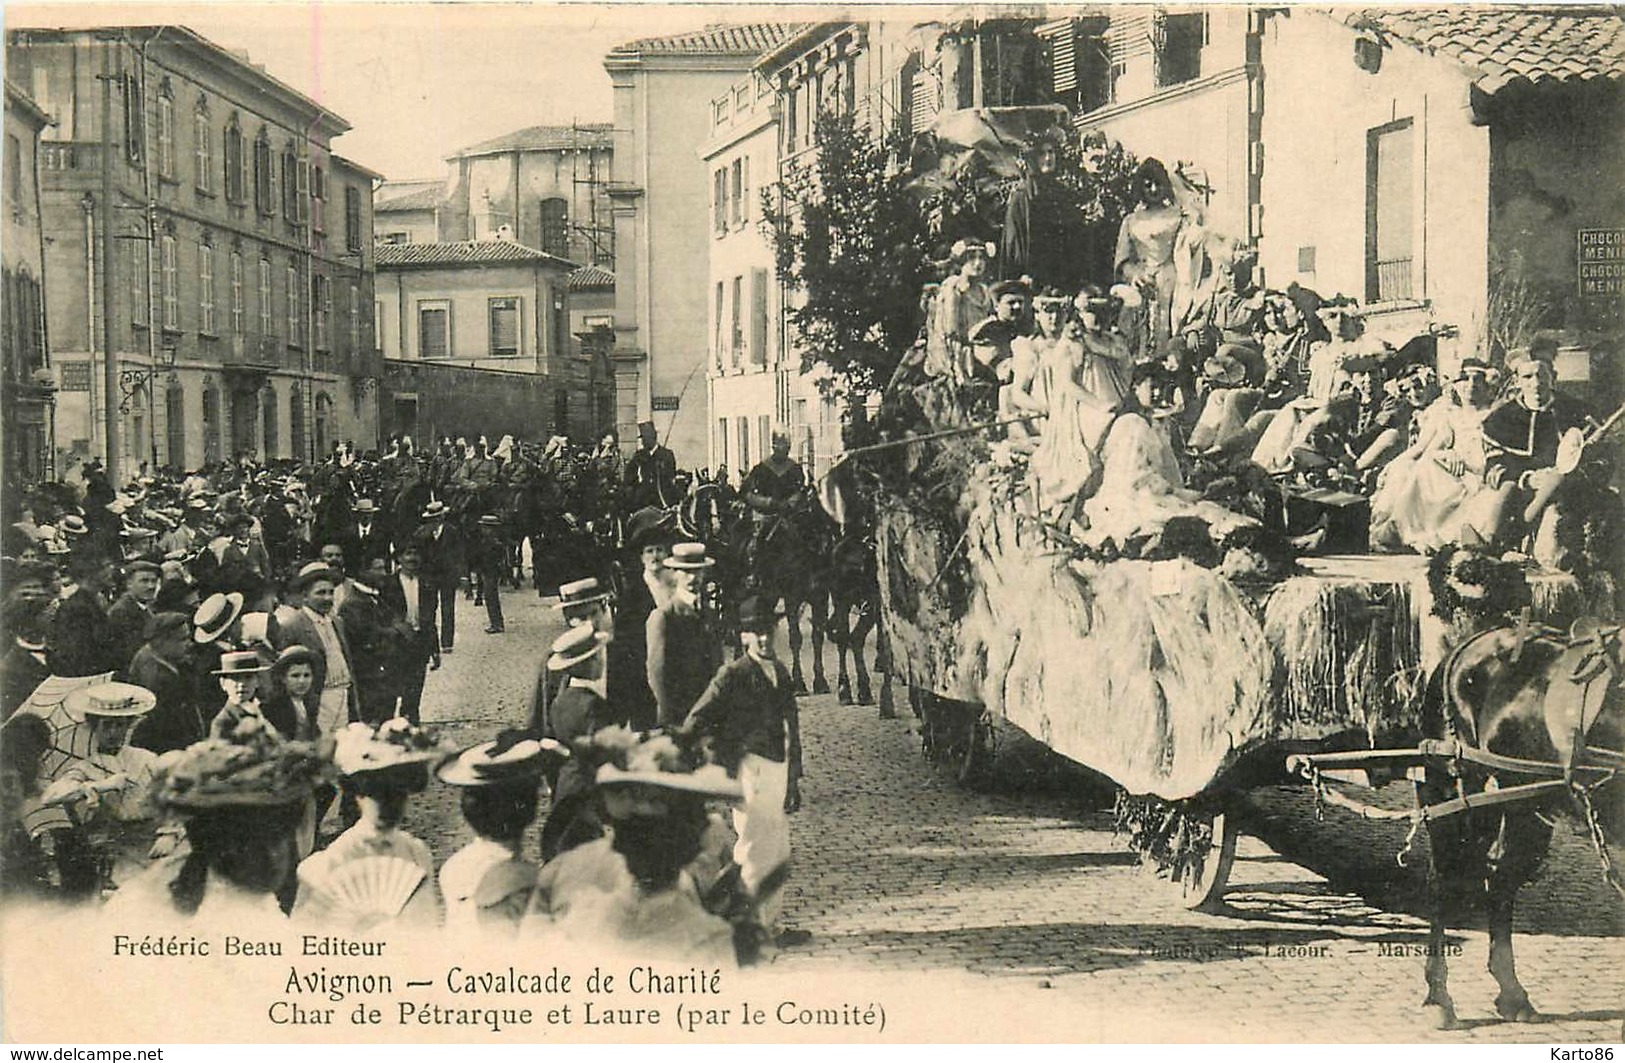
[{"x": 592, "y": 523}]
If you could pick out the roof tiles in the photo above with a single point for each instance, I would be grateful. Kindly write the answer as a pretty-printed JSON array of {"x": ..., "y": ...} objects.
[
  {"x": 547, "y": 138},
  {"x": 466, "y": 253},
  {"x": 1506, "y": 45},
  {"x": 746, "y": 40}
]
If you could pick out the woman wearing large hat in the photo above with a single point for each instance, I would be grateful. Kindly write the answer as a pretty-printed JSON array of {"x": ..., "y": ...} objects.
[
  {"x": 242, "y": 797},
  {"x": 375, "y": 873},
  {"x": 486, "y": 884},
  {"x": 633, "y": 891}
]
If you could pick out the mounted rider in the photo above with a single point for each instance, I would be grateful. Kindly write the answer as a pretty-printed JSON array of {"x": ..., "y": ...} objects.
[
  {"x": 771, "y": 490},
  {"x": 650, "y": 475}
]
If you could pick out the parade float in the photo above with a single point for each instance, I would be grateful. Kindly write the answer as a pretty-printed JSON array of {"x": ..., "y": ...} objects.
[{"x": 1180, "y": 648}]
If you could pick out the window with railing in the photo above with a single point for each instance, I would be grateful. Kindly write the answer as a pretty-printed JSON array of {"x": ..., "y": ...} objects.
[{"x": 1390, "y": 211}]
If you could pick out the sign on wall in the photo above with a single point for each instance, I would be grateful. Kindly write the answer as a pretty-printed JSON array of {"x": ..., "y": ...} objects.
[
  {"x": 75, "y": 376},
  {"x": 1602, "y": 262},
  {"x": 663, "y": 403}
]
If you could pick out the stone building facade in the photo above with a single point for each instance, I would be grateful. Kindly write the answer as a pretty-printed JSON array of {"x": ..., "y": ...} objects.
[{"x": 240, "y": 270}]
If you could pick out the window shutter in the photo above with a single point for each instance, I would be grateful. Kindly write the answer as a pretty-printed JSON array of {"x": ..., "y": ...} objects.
[
  {"x": 1063, "y": 38},
  {"x": 758, "y": 316}
]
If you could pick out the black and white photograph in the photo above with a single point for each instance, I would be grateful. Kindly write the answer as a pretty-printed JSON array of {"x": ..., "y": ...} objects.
[{"x": 585, "y": 523}]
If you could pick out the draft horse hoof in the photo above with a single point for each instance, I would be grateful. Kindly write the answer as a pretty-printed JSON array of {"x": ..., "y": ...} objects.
[
  {"x": 820, "y": 685},
  {"x": 1440, "y": 1016},
  {"x": 1519, "y": 1011}
]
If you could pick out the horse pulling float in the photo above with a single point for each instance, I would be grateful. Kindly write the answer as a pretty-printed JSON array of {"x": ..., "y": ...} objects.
[{"x": 1188, "y": 678}]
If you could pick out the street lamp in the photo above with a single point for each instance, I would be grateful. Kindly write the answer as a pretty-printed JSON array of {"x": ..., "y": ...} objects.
[{"x": 131, "y": 381}]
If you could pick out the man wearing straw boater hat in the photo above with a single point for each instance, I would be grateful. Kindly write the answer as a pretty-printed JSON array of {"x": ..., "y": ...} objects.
[
  {"x": 683, "y": 650},
  {"x": 748, "y": 713},
  {"x": 582, "y": 602},
  {"x": 580, "y": 710},
  {"x": 443, "y": 567}
]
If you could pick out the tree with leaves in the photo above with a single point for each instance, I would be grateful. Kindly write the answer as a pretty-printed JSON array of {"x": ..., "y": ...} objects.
[{"x": 852, "y": 245}]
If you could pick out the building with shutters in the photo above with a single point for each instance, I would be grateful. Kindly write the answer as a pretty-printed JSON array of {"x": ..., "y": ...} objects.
[
  {"x": 661, "y": 200},
  {"x": 236, "y": 313},
  {"x": 477, "y": 340},
  {"x": 748, "y": 375},
  {"x": 27, "y": 385}
]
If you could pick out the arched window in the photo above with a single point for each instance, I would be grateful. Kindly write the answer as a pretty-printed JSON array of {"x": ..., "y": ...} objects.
[{"x": 556, "y": 227}]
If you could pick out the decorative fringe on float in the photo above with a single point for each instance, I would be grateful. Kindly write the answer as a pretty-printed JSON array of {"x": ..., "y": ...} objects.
[{"x": 1347, "y": 652}]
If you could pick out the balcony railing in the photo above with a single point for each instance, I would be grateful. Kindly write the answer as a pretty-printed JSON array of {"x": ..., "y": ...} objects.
[
  {"x": 67, "y": 156},
  {"x": 1393, "y": 280}
]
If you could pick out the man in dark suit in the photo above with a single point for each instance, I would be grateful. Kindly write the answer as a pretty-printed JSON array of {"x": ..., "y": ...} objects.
[
  {"x": 749, "y": 715},
  {"x": 129, "y": 615},
  {"x": 649, "y": 478},
  {"x": 406, "y": 594},
  {"x": 314, "y": 626},
  {"x": 444, "y": 566},
  {"x": 367, "y": 536},
  {"x": 81, "y": 638},
  {"x": 177, "y": 719},
  {"x": 578, "y": 711},
  {"x": 372, "y": 630},
  {"x": 22, "y": 666}
]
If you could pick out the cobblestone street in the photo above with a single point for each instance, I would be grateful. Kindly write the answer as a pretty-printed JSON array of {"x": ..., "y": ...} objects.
[{"x": 1023, "y": 889}]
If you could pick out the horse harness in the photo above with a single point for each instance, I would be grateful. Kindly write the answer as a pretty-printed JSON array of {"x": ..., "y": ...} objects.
[{"x": 1580, "y": 680}]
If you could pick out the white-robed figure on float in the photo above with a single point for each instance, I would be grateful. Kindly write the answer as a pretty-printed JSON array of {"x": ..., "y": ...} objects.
[
  {"x": 1101, "y": 470},
  {"x": 1435, "y": 491}
]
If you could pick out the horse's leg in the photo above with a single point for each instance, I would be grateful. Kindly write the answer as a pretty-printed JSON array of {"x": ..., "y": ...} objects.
[
  {"x": 792, "y": 617},
  {"x": 818, "y": 607},
  {"x": 860, "y": 635},
  {"x": 1518, "y": 851},
  {"x": 1449, "y": 842},
  {"x": 841, "y": 634}
]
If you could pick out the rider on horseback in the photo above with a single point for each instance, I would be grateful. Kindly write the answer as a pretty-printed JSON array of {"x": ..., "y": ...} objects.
[{"x": 771, "y": 490}]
